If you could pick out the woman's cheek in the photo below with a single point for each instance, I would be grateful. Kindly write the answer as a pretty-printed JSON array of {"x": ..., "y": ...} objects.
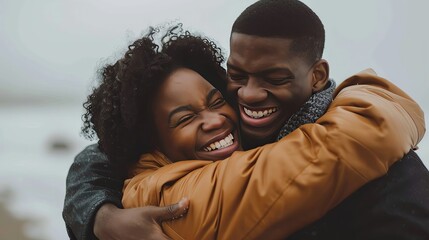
[{"x": 185, "y": 141}]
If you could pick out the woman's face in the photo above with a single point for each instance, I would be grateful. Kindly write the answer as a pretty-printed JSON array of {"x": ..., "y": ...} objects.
[{"x": 193, "y": 120}]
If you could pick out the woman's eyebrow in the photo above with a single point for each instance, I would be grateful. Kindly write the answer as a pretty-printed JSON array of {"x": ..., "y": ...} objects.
[
  {"x": 189, "y": 107},
  {"x": 211, "y": 94},
  {"x": 178, "y": 109}
]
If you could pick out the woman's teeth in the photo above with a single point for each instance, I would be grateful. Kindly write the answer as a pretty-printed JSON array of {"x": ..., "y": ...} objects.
[
  {"x": 228, "y": 141},
  {"x": 259, "y": 114}
]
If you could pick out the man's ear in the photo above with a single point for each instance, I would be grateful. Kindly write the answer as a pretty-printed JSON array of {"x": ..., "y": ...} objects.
[{"x": 320, "y": 75}]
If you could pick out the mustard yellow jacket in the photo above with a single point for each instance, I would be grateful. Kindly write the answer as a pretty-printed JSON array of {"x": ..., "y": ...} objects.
[{"x": 274, "y": 190}]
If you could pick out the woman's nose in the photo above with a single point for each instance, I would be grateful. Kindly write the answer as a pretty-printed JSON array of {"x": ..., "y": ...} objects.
[{"x": 212, "y": 120}]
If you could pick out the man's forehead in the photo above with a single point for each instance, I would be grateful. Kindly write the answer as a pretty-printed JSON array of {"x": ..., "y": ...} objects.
[
  {"x": 263, "y": 70},
  {"x": 240, "y": 39},
  {"x": 262, "y": 65},
  {"x": 254, "y": 54}
]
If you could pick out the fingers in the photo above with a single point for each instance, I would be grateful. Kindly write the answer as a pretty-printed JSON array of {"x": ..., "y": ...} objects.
[{"x": 171, "y": 212}]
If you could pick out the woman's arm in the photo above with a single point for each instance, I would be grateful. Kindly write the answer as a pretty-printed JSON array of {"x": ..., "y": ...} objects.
[{"x": 276, "y": 189}]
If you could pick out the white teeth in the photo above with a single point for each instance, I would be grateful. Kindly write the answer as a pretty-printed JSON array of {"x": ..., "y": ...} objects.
[
  {"x": 259, "y": 114},
  {"x": 227, "y": 141}
]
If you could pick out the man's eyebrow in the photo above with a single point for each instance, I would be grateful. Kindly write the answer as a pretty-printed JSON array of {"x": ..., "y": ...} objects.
[
  {"x": 178, "y": 109},
  {"x": 263, "y": 72},
  {"x": 211, "y": 94},
  {"x": 229, "y": 65},
  {"x": 273, "y": 70}
]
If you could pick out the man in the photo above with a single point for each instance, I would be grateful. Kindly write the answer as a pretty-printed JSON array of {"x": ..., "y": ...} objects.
[
  {"x": 393, "y": 207},
  {"x": 274, "y": 89}
]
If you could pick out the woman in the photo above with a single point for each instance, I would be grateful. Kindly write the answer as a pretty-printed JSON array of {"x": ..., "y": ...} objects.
[
  {"x": 154, "y": 104},
  {"x": 127, "y": 106}
]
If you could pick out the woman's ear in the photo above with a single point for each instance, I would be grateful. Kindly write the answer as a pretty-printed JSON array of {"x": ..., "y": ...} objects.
[{"x": 320, "y": 75}]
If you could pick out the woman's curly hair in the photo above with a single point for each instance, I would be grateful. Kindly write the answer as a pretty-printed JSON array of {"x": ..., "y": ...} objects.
[{"x": 118, "y": 110}]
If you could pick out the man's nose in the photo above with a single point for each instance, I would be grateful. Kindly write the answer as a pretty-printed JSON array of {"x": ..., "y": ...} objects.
[
  {"x": 212, "y": 120},
  {"x": 252, "y": 92}
]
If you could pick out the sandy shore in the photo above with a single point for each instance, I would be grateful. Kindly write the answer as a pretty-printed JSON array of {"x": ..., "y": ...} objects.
[{"x": 11, "y": 227}]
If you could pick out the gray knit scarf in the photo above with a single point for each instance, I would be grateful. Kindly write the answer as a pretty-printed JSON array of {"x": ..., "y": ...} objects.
[{"x": 312, "y": 110}]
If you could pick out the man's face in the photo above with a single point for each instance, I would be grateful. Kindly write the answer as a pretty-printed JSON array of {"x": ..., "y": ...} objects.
[
  {"x": 192, "y": 119},
  {"x": 269, "y": 82}
]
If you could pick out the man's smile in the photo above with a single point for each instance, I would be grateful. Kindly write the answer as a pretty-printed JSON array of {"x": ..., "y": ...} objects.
[
  {"x": 258, "y": 117},
  {"x": 260, "y": 113}
]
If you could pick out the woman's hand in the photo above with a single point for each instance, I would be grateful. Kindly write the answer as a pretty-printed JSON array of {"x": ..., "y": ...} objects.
[{"x": 113, "y": 223}]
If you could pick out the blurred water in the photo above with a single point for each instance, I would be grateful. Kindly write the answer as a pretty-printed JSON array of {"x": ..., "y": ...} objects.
[
  {"x": 35, "y": 172},
  {"x": 32, "y": 168}
]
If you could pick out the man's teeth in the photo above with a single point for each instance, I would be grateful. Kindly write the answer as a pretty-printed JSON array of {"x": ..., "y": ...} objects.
[
  {"x": 228, "y": 141},
  {"x": 259, "y": 114}
]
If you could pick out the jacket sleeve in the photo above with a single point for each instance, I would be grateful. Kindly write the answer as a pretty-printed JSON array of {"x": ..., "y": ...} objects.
[
  {"x": 90, "y": 183},
  {"x": 272, "y": 191}
]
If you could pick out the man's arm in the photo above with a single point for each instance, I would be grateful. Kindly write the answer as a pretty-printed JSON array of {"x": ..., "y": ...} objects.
[
  {"x": 92, "y": 205},
  {"x": 90, "y": 183}
]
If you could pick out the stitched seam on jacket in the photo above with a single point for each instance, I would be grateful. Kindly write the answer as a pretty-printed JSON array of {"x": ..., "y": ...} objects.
[
  {"x": 413, "y": 117},
  {"x": 349, "y": 165},
  {"x": 280, "y": 195},
  {"x": 275, "y": 201}
]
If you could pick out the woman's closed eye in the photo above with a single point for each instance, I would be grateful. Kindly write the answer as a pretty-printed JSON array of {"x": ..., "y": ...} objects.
[
  {"x": 183, "y": 120},
  {"x": 217, "y": 103},
  {"x": 186, "y": 118}
]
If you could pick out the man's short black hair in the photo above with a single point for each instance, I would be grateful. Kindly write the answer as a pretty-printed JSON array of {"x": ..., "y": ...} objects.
[{"x": 290, "y": 19}]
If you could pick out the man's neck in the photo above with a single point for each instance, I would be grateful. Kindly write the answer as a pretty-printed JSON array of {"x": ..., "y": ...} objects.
[
  {"x": 251, "y": 142},
  {"x": 310, "y": 111}
]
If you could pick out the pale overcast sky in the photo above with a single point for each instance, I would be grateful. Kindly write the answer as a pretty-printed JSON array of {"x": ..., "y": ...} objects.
[{"x": 52, "y": 48}]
